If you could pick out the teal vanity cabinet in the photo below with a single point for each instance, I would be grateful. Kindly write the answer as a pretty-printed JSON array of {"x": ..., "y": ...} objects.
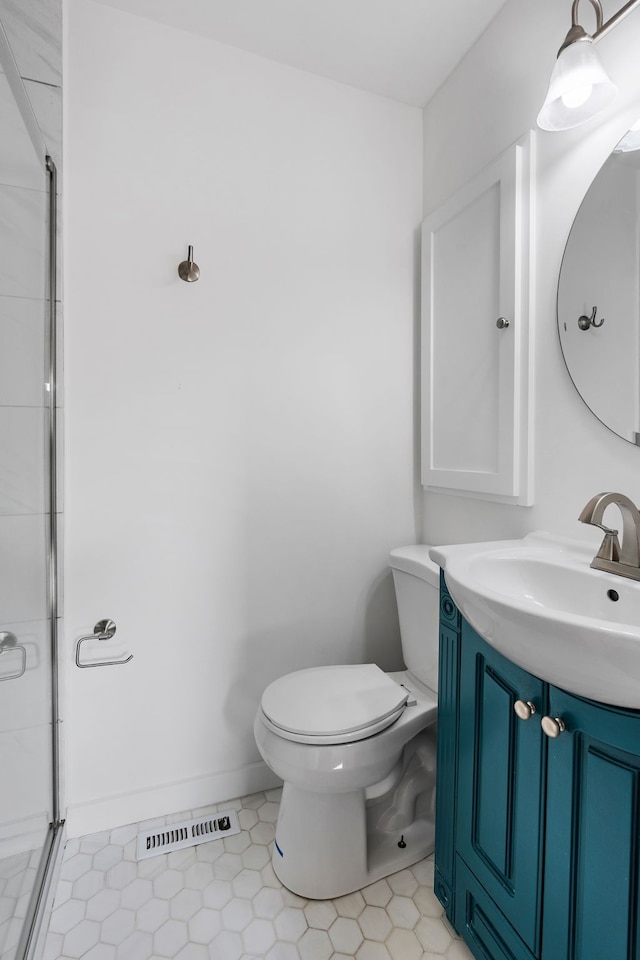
[
  {"x": 500, "y": 783},
  {"x": 537, "y": 838},
  {"x": 592, "y": 837}
]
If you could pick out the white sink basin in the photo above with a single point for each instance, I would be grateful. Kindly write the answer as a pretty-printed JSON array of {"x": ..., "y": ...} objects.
[{"x": 539, "y": 603}]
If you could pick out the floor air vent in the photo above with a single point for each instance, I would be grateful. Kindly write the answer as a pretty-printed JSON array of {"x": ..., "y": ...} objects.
[{"x": 187, "y": 833}]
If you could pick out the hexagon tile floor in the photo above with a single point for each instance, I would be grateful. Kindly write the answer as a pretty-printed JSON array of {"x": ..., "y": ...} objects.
[{"x": 222, "y": 901}]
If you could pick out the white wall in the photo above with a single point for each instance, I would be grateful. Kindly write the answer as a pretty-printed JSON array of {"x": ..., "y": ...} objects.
[
  {"x": 490, "y": 100},
  {"x": 239, "y": 451}
]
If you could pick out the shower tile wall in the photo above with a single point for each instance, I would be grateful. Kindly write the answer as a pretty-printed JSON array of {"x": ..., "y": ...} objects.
[
  {"x": 34, "y": 29},
  {"x": 24, "y": 735}
]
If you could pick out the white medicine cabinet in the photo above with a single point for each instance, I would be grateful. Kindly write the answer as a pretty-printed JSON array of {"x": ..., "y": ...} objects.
[{"x": 476, "y": 292}]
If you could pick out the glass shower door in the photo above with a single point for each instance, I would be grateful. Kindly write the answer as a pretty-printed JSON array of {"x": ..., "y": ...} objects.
[{"x": 27, "y": 805}]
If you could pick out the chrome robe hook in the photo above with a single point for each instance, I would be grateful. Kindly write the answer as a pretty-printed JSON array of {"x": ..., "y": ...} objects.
[
  {"x": 188, "y": 270},
  {"x": 585, "y": 322}
]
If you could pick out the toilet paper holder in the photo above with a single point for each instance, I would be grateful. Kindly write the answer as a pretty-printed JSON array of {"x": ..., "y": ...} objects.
[{"x": 103, "y": 630}]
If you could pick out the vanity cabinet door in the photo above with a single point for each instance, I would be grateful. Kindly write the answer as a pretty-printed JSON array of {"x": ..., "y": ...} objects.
[
  {"x": 592, "y": 860},
  {"x": 500, "y": 784}
]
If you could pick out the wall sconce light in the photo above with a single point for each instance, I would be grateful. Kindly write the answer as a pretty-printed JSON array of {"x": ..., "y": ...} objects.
[{"x": 580, "y": 87}]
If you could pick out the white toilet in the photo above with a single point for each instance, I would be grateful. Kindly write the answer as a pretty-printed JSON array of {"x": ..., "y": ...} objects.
[{"x": 356, "y": 750}]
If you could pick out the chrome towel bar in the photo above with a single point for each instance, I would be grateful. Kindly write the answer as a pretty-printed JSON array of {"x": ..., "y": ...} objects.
[{"x": 103, "y": 630}]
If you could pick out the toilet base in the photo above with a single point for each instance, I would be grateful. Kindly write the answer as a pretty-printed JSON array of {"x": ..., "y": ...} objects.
[
  {"x": 321, "y": 838},
  {"x": 330, "y": 844}
]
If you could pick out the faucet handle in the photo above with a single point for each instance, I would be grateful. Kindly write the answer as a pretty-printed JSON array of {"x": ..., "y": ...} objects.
[{"x": 610, "y": 546}]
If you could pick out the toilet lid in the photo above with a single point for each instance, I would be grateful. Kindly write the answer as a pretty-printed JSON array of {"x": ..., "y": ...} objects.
[{"x": 332, "y": 701}]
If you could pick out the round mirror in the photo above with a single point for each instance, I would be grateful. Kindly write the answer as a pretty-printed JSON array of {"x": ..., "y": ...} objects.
[{"x": 599, "y": 293}]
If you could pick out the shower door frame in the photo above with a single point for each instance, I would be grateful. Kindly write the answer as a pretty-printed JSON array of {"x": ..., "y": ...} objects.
[{"x": 30, "y": 942}]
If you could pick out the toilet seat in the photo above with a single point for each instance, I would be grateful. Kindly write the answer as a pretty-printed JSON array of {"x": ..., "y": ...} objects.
[{"x": 329, "y": 705}]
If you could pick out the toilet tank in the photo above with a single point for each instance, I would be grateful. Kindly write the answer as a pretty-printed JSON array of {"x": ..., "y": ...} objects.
[{"x": 417, "y": 583}]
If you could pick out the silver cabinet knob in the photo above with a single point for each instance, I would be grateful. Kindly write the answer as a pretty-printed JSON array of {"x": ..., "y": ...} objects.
[
  {"x": 502, "y": 323},
  {"x": 524, "y": 709},
  {"x": 553, "y": 726}
]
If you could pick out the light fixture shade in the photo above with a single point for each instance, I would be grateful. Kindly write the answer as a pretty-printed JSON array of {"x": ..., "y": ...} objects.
[{"x": 579, "y": 88}]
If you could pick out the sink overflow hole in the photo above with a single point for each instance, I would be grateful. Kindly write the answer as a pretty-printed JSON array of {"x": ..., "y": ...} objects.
[{"x": 613, "y": 595}]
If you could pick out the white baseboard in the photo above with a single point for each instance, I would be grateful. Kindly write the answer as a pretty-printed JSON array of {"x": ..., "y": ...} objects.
[{"x": 110, "y": 812}]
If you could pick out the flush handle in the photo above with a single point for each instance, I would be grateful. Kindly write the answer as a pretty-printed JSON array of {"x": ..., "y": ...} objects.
[
  {"x": 553, "y": 726},
  {"x": 524, "y": 709}
]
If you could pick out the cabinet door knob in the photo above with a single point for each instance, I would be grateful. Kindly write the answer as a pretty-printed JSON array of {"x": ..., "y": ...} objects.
[
  {"x": 524, "y": 709},
  {"x": 502, "y": 323},
  {"x": 553, "y": 726}
]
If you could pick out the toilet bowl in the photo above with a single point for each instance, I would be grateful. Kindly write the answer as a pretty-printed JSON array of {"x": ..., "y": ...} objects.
[{"x": 355, "y": 748}]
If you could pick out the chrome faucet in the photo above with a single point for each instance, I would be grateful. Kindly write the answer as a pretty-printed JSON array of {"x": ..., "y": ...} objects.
[{"x": 613, "y": 556}]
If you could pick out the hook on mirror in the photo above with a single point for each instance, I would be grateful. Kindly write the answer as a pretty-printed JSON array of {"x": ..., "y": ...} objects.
[{"x": 585, "y": 322}]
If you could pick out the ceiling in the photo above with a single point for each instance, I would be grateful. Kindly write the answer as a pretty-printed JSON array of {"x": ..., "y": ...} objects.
[{"x": 402, "y": 49}]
